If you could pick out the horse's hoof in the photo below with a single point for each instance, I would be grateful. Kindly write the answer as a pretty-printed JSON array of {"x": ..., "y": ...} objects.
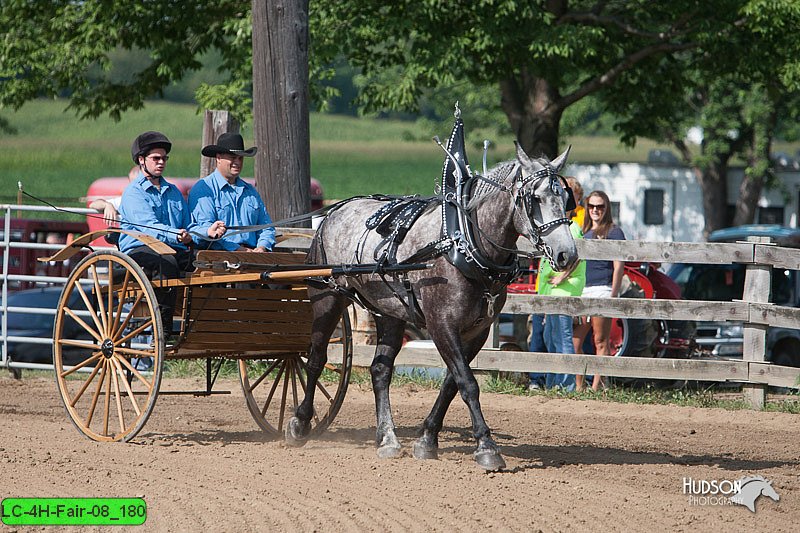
[
  {"x": 293, "y": 436},
  {"x": 490, "y": 460},
  {"x": 421, "y": 451},
  {"x": 389, "y": 452}
]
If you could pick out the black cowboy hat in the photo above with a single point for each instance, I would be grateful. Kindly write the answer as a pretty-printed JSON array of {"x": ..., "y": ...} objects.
[
  {"x": 229, "y": 143},
  {"x": 148, "y": 141}
]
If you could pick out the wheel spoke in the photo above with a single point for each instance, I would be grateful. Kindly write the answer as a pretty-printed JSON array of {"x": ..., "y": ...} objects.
[
  {"x": 300, "y": 369},
  {"x": 84, "y": 387},
  {"x": 135, "y": 332},
  {"x": 83, "y": 324},
  {"x": 294, "y": 384},
  {"x": 136, "y": 373},
  {"x": 271, "y": 367},
  {"x": 127, "y": 385},
  {"x": 117, "y": 397},
  {"x": 82, "y": 364},
  {"x": 107, "y": 404},
  {"x": 79, "y": 344},
  {"x": 122, "y": 291},
  {"x": 134, "y": 351},
  {"x": 110, "y": 320},
  {"x": 89, "y": 307},
  {"x": 272, "y": 390},
  {"x": 100, "y": 304},
  {"x": 283, "y": 396},
  {"x": 129, "y": 316},
  {"x": 96, "y": 396}
]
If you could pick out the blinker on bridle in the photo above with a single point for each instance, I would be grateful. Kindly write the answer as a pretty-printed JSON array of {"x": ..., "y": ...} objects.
[{"x": 527, "y": 199}]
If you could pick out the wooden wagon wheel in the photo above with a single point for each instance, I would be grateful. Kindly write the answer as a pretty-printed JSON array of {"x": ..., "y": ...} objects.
[
  {"x": 112, "y": 395},
  {"x": 274, "y": 387}
]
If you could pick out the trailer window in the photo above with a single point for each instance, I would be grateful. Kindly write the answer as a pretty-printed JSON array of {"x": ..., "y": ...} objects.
[{"x": 654, "y": 206}]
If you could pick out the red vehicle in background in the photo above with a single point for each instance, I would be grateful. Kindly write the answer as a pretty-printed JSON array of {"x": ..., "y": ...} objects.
[
  {"x": 642, "y": 337},
  {"x": 23, "y": 261},
  {"x": 105, "y": 188}
]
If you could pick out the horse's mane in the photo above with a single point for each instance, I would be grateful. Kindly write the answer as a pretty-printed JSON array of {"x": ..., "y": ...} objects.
[
  {"x": 484, "y": 190},
  {"x": 500, "y": 173},
  {"x": 745, "y": 480}
]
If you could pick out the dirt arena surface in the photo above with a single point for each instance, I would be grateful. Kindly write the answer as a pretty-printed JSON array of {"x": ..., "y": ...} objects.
[{"x": 202, "y": 465}]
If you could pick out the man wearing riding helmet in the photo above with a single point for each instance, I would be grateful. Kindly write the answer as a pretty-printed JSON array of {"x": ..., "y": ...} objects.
[{"x": 152, "y": 205}]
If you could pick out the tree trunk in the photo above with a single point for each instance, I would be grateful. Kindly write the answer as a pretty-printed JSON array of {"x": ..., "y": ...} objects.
[
  {"x": 714, "y": 183},
  {"x": 280, "y": 106},
  {"x": 531, "y": 105},
  {"x": 215, "y": 123},
  {"x": 755, "y": 172}
]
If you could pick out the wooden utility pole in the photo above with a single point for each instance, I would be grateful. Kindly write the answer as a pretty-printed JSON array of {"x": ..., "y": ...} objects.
[
  {"x": 280, "y": 106},
  {"x": 215, "y": 123}
]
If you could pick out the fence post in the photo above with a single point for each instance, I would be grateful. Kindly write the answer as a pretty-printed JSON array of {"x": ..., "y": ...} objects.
[
  {"x": 215, "y": 123},
  {"x": 757, "y": 285}
]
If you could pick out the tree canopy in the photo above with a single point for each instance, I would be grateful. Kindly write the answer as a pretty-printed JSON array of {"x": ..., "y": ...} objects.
[
  {"x": 542, "y": 56},
  {"x": 62, "y": 48}
]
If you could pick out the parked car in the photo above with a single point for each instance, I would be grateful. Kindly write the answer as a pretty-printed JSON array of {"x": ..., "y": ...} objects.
[
  {"x": 726, "y": 283},
  {"x": 41, "y": 325}
]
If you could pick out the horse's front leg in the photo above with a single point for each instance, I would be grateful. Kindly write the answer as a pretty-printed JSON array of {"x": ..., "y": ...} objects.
[
  {"x": 459, "y": 378},
  {"x": 390, "y": 340},
  {"x": 328, "y": 309}
]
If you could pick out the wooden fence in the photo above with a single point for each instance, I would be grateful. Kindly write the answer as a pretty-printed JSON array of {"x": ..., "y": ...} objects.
[{"x": 758, "y": 256}]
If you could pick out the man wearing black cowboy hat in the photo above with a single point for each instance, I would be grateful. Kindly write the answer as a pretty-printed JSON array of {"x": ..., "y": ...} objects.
[{"x": 223, "y": 200}]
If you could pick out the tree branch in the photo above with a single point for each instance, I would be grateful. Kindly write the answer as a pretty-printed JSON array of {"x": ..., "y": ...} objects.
[
  {"x": 607, "y": 78},
  {"x": 595, "y": 19}
]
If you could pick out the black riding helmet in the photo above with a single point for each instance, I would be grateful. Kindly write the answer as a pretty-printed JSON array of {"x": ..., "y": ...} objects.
[{"x": 147, "y": 141}]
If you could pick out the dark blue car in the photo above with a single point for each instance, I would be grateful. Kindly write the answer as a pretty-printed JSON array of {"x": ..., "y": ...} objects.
[{"x": 41, "y": 325}]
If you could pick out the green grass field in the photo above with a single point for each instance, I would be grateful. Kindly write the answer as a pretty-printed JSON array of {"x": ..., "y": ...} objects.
[{"x": 57, "y": 156}]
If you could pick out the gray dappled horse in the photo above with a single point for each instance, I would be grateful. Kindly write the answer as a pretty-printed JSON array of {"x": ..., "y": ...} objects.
[{"x": 522, "y": 197}]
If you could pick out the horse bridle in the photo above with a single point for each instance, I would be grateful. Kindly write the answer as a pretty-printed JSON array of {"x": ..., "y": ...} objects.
[{"x": 526, "y": 200}]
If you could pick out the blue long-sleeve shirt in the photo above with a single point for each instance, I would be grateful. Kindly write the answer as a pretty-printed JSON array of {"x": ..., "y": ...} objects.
[
  {"x": 213, "y": 198},
  {"x": 159, "y": 212}
]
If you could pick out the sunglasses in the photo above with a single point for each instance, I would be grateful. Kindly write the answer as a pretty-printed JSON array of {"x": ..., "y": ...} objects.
[
  {"x": 598, "y": 207},
  {"x": 158, "y": 158}
]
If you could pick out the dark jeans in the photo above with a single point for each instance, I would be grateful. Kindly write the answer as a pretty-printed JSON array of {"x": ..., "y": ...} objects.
[
  {"x": 158, "y": 266},
  {"x": 537, "y": 345}
]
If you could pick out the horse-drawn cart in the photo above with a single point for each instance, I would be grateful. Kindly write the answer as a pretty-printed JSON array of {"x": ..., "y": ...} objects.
[{"x": 224, "y": 311}]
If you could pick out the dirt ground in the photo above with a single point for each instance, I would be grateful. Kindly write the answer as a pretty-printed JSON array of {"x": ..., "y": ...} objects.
[{"x": 202, "y": 464}]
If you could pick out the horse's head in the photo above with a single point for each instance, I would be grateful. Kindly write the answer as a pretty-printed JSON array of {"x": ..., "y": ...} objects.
[
  {"x": 769, "y": 491},
  {"x": 541, "y": 202}
]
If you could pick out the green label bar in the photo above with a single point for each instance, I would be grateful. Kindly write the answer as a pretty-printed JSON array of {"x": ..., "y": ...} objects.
[{"x": 73, "y": 511}]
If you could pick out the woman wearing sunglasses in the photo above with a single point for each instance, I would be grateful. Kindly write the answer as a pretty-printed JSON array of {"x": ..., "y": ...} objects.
[{"x": 603, "y": 279}]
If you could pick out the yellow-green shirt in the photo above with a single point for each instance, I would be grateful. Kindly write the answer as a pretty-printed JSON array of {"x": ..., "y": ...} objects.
[{"x": 573, "y": 285}]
